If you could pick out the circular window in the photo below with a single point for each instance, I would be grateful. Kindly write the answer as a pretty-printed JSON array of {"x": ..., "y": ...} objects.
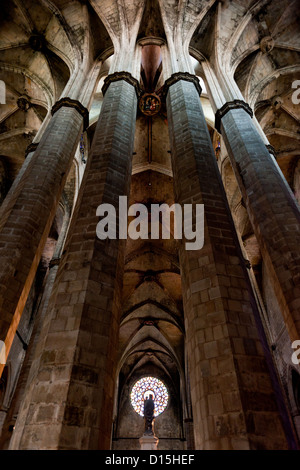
[{"x": 141, "y": 391}]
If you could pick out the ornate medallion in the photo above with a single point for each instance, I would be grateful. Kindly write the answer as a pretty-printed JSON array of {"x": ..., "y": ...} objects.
[{"x": 150, "y": 104}]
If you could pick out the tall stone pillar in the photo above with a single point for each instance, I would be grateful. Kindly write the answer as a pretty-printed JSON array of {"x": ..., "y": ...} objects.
[
  {"x": 236, "y": 399},
  {"x": 29, "y": 209},
  {"x": 272, "y": 209},
  {"x": 69, "y": 403},
  {"x": 39, "y": 318}
]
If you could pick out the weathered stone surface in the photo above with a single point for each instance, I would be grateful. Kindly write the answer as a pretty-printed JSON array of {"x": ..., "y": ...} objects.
[
  {"x": 196, "y": 180},
  {"x": 29, "y": 212},
  {"x": 272, "y": 209},
  {"x": 88, "y": 328}
]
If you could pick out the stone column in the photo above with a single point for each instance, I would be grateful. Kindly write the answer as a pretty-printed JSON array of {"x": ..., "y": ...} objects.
[
  {"x": 273, "y": 211},
  {"x": 29, "y": 209},
  {"x": 235, "y": 394},
  {"x": 26, "y": 369},
  {"x": 69, "y": 404}
]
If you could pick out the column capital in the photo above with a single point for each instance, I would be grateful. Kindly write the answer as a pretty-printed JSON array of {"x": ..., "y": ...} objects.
[
  {"x": 271, "y": 150},
  {"x": 115, "y": 77},
  {"x": 31, "y": 148},
  {"x": 235, "y": 104},
  {"x": 70, "y": 103},
  {"x": 175, "y": 77},
  {"x": 54, "y": 262}
]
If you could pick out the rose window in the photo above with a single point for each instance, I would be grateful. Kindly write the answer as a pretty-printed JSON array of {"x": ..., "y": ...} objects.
[{"x": 143, "y": 388}]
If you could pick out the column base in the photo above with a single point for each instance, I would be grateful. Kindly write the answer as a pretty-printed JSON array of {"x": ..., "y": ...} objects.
[{"x": 148, "y": 442}]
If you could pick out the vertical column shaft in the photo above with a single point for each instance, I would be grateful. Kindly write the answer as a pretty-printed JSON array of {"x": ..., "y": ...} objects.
[
  {"x": 25, "y": 377},
  {"x": 273, "y": 211},
  {"x": 71, "y": 403},
  {"x": 29, "y": 210},
  {"x": 234, "y": 406}
]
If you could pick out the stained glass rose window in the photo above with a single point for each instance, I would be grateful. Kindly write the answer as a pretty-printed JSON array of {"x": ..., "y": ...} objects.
[{"x": 143, "y": 388}]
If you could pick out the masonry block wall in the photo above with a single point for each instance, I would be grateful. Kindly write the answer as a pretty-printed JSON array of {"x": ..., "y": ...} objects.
[
  {"x": 277, "y": 225},
  {"x": 29, "y": 213},
  {"x": 221, "y": 320},
  {"x": 75, "y": 363}
]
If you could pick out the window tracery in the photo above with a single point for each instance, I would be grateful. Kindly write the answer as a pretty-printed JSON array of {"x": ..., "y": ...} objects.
[{"x": 143, "y": 388}]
